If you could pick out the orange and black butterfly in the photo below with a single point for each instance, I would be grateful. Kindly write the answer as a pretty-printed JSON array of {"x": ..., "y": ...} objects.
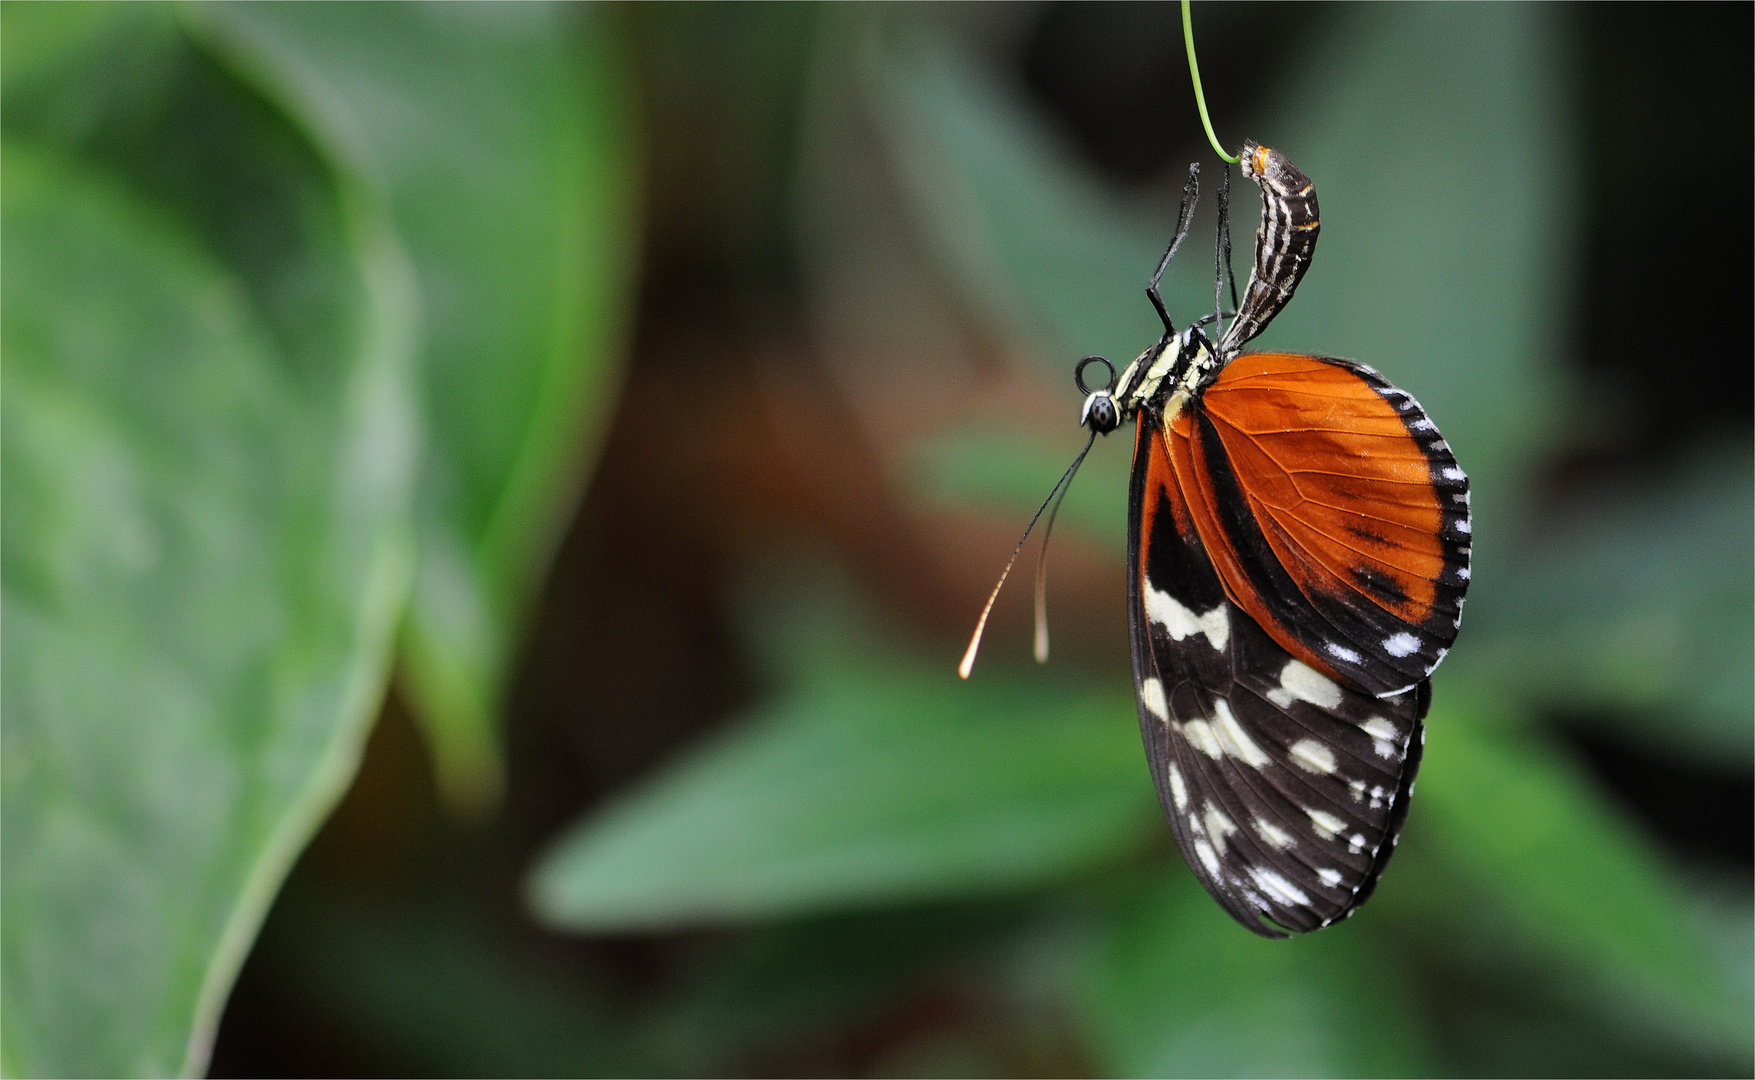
[{"x": 1298, "y": 552}]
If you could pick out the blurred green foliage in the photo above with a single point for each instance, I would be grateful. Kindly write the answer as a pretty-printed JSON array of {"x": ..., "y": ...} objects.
[
  {"x": 863, "y": 783},
  {"x": 313, "y": 320},
  {"x": 299, "y": 317},
  {"x": 498, "y": 143}
]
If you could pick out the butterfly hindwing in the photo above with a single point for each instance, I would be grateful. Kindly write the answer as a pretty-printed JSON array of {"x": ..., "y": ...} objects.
[{"x": 1285, "y": 787}]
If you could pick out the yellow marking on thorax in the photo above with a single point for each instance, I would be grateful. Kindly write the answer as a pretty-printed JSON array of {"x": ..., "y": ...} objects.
[
  {"x": 1173, "y": 407},
  {"x": 1154, "y": 375}
]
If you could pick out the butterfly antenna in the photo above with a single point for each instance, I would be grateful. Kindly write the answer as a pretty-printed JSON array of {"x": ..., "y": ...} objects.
[
  {"x": 968, "y": 664},
  {"x": 1042, "y": 555}
]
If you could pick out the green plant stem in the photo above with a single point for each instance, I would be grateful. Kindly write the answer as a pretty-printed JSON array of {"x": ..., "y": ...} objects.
[{"x": 1200, "y": 99}]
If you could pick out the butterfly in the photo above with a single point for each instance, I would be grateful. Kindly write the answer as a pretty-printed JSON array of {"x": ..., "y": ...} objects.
[{"x": 1298, "y": 554}]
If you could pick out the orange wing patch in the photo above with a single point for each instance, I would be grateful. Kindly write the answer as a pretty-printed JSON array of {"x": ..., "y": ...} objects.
[
  {"x": 1161, "y": 487},
  {"x": 1342, "y": 491},
  {"x": 1193, "y": 497}
]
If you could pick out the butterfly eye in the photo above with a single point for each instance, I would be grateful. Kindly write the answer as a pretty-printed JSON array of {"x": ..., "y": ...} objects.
[{"x": 1101, "y": 414}]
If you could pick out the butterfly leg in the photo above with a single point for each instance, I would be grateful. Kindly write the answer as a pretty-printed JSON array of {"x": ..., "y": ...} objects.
[
  {"x": 1184, "y": 218},
  {"x": 1222, "y": 259}
]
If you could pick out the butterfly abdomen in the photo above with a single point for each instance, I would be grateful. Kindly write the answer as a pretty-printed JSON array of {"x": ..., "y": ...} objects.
[{"x": 1285, "y": 242}]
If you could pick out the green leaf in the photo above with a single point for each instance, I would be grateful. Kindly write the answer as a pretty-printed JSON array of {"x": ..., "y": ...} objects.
[
  {"x": 882, "y": 790},
  {"x": 498, "y": 135},
  {"x": 871, "y": 780},
  {"x": 1637, "y": 607},
  {"x": 205, "y": 552},
  {"x": 40, "y": 37},
  {"x": 1579, "y": 884},
  {"x": 1173, "y": 987}
]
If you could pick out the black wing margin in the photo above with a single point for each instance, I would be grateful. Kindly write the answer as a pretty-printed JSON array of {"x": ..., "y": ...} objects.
[{"x": 1286, "y": 789}]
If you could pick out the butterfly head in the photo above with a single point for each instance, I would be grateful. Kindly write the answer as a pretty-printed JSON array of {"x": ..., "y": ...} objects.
[{"x": 1100, "y": 413}]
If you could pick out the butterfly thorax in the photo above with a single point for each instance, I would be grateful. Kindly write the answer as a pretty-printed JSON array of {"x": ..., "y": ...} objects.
[
  {"x": 1181, "y": 365},
  {"x": 1164, "y": 378}
]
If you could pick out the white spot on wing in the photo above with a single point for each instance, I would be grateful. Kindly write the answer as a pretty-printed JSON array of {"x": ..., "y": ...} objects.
[
  {"x": 1331, "y": 878},
  {"x": 1462, "y": 526},
  {"x": 1278, "y": 887},
  {"x": 1200, "y": 736},
  {"x": 1312, "y": 756},
  {"x": 1454, "y": 473},
  {"x": 1152, "y": 697},
  {"x": 1402, "y": 644},
  {"x": 1356, "y": 844},
  {"x": 1179, "y": 622},
  {"x": 1327, "y": 825},
  {"x": 1234, "y": 739},
  {"x": 1301, "y": 682},
  {"x": 1357, "y": 788},
  {"x": 1341, "y": 652},
  {"x": 1208, "y": 858},
  {"x": 1178, "y": 790},
  {"x": 1273, "y": 834},
  {"x": 1384, "y": 735},
  {"x": 1379, "y": 728},
  {"x": 1218, "y": 826}
]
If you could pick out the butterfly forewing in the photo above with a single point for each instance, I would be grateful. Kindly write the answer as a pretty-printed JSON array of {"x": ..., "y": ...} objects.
[{"x": 1340, "y": 518}]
